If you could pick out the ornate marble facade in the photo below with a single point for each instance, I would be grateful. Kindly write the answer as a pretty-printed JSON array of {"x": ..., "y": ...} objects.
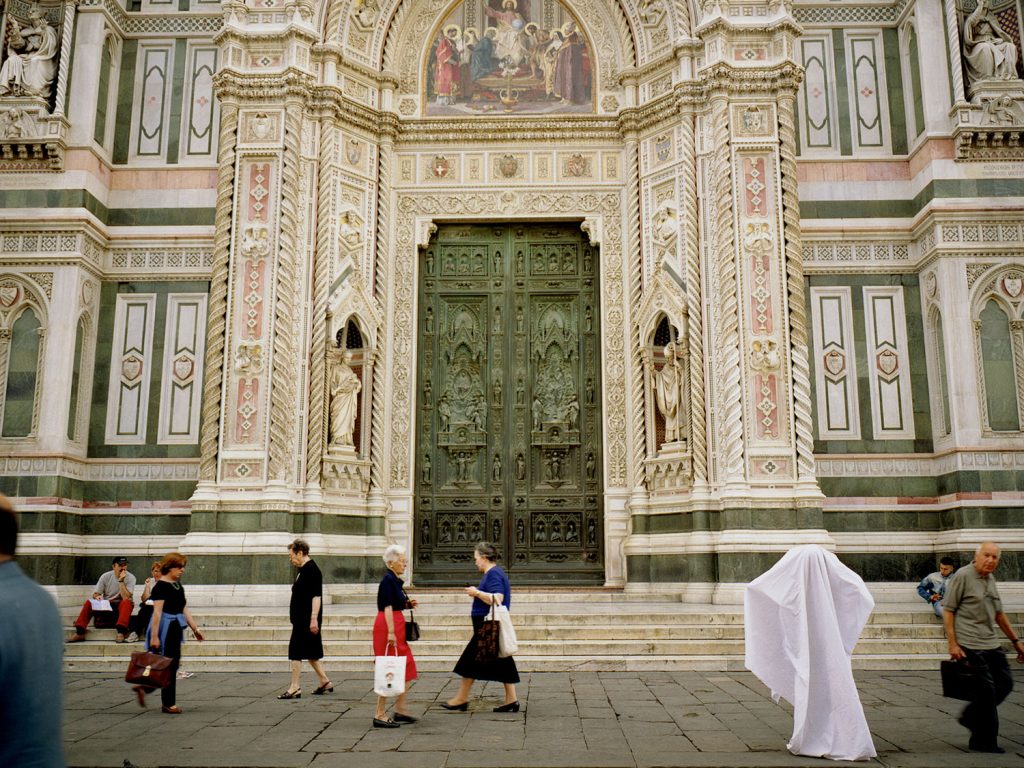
[{"x": 809, "y": 271}]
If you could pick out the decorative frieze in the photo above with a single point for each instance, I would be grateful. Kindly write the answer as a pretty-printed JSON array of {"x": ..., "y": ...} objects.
[{"x": 100, "y": 470}]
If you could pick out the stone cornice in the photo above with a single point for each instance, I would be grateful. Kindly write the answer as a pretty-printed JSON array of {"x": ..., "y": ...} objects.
[
  {"x": 329, "y": 100},
  {"x": 724, "y": 26},
  {"x": 746, "y": 81},
  {"x": 231, "y": 85}
]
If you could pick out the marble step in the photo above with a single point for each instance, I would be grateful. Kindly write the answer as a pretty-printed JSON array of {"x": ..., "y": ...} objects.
[
  {"x": 362, "y": 632},
  {"x": 574, "y": 663}
]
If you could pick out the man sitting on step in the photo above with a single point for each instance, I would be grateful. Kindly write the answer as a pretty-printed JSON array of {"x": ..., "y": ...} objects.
[{"x": 117, "y": 586}]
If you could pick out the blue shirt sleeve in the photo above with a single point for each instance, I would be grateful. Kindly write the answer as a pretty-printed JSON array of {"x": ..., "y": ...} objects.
[{"x": 493, "y": 581}]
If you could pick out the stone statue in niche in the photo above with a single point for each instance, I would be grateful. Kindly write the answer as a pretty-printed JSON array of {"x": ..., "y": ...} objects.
[
  {"x": 591, "y": 533},
  {"x": 591, "y": 467},
  {"x": 425, "y": 471},
  {"x": 428, "y": 320},
  {"x": 345, "y": 387},
  {"x": 31, "y": 64},
  {"x": 496, "y": 468},
  {"x": 446, "y": 533},
  {"x": 496, "y": 390},
  {"x": 425, "y": 532},
  {"x": 496, "y": 530},
  {"x": 571, "y": 534},
  {"x": 428, "y": 391},
  {"x": 668, "y": 392},
  {"x": 572, "y": 412},
  {"x": 666, "y": 230},
  {"x": 350, "y": 230},
  {"x": 988, "y": 49},
  {"x": 520, "y": 467},
  {"x": 460, "y": 531},
  {"x": 520, "y": 532},
  {"x": 444, "y": 412}
]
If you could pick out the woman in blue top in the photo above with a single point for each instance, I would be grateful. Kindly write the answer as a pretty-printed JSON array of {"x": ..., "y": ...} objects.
[{"x": 493, "y": 587}]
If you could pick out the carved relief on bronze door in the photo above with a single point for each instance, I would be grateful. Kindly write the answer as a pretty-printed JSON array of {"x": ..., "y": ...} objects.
[{"x": 509, "y": 423}]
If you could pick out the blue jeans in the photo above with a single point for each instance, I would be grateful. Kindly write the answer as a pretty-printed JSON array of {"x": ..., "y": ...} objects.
[{"x": 937, "y": 607}]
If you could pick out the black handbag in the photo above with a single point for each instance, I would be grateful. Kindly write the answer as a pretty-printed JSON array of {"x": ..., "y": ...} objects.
[
  {"x": 412, "y": 629},
  {"x": 487, "y": 635},
  {"x": 958, "y": 681}
]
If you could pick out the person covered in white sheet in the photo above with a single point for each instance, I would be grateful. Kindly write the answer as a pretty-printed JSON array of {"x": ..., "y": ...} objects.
[{"x": 803, "y": 617}]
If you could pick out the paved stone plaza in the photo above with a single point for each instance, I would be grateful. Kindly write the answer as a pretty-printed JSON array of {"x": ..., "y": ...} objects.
[{"x": 590, "y": 720}]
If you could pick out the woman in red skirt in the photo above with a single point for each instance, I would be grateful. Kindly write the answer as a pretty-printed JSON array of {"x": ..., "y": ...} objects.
[{"x": 389, "y": 631}]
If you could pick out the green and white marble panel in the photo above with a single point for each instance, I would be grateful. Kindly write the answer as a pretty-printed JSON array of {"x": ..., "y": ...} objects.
[
  {"x": 181, "y": 383},
  {"x": 892, "y": 413},
  {"x": 131, "y": 363},
  {"x": 835, "y": 364}
]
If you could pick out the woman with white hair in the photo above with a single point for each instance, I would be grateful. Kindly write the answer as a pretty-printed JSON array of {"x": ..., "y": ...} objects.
[{"x": 389, "y": 630}]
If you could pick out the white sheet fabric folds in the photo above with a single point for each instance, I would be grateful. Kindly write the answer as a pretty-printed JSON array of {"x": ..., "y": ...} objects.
[{"x": 803, "y": 617}]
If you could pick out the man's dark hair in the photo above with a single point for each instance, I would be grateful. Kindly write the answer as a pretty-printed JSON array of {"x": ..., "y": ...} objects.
[
  {"x": 299, "y": 547},
  {"x": 947, "y": 561},
  {"x": 8, "y": 528}
]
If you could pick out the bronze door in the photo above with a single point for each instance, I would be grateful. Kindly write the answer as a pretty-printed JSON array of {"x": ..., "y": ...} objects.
[{"x": 509, "y": 422}]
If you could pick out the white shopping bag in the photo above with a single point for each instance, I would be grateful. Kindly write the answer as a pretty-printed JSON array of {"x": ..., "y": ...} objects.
[
  {"x": 507, "y": 643},
  {"x": 389, "y": 675}
]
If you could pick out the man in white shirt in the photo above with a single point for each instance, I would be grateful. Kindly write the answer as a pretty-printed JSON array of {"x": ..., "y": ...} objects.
[{"x": 116, "y": 586}]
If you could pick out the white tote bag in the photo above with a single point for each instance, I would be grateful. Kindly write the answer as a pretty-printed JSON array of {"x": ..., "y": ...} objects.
[
  {"x": 507, "y": 643},
  {"x": 389, "y": 675}
]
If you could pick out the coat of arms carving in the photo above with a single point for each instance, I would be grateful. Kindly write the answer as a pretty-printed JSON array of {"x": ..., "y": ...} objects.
[
  {"x": 440, "y": 167},
  {"x": 1013, "y": 286},
  {"x": 131, "y": 368},
  {"x": 888, "y": 362},
  {"x": 508, "y": 166}
]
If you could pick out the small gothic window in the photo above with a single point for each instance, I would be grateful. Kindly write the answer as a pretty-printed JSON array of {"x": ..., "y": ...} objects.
[
  {"x": 943, "y": 376},
  {"x": 997, "y": 368},
  {"x": 76, "y": 379},
  {"x": 22, "y": 376}
]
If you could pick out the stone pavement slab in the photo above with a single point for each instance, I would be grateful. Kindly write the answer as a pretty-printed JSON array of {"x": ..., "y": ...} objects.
[{"x": 569, "y": 720}]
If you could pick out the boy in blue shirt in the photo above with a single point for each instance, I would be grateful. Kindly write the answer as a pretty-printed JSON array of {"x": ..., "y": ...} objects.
[{"x": 933, "y": 586}]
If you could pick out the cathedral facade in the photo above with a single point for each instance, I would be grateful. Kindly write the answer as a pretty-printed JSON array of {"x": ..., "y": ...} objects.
[{"x": 644, "y": 291}]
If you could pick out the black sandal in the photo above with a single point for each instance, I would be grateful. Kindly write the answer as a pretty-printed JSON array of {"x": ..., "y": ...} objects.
[
  {"x": 327, "y": 687},
  {"x": 296, "y": 694}
]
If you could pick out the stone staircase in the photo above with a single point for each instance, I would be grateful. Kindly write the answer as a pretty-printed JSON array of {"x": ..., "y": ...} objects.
[{"x": 563, "y": 630}]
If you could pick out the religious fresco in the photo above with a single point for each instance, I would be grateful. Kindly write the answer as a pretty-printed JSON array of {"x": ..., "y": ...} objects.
[{"x": 509, "y": 57}]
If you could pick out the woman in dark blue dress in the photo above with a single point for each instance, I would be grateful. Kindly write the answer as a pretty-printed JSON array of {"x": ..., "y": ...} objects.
[{"x": 494, "y": 586}]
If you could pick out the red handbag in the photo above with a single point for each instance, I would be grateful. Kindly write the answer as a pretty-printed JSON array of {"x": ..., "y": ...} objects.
[{"x": 149, "y": 669}]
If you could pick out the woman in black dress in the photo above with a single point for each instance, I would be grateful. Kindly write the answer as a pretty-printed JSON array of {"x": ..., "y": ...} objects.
[
  {"x": 306, "y": 613},
  {"x": 166, "y": 629},
  {"x": 493, "y": 588}
]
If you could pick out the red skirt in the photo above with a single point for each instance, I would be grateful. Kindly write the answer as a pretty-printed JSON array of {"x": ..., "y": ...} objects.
[{"x": 380, "y": 641}]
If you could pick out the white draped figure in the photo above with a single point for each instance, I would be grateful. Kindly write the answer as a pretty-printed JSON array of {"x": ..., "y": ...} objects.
[
  {"x": 803, "y": 617},
  {"x": 668, "y": 386},
  {"x": 31, "y": 63},
  {"x": 345, "y": 388},
  {"x": 989, "y": 51}
]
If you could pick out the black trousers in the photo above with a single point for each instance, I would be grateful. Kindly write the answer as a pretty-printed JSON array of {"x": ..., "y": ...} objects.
[
  {"x": 171, "y": 649},
  {"x": 140, "y": 621},
  {"x": 993, "y": 683}
]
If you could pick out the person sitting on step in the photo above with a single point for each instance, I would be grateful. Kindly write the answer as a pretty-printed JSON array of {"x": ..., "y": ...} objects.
[{"x": 116, "y": 586}]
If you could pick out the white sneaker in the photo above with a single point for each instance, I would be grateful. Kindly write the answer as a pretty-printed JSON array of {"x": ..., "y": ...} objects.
[{"x": 132, "y": 638}]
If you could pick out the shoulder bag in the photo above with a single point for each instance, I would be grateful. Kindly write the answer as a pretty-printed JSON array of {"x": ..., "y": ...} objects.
[
  {"x": 149, "y": 669},
  {"x": 507, "y": 642},
  {"x": 412, "y": 629}
]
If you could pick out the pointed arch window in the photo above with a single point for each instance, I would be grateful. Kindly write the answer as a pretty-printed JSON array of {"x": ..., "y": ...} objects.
[
  {"x": 941, "y": 417},
  {"x": 999, "y": 354},
  {"x": 21, "y": 390}
]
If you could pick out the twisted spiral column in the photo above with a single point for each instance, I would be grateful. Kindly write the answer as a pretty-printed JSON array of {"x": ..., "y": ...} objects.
[
  {"x": 216, "y": 326},
  {"x": 694, "y": 302},
  {"x": 801, "y": 371},
  {"x": 730, "y": 395},
  {"x": 378, "y": 431},
  {"x": 317, "y": 414},
  {"x": 634, "y": 276},
  {"x": 284, "y": 375}
]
